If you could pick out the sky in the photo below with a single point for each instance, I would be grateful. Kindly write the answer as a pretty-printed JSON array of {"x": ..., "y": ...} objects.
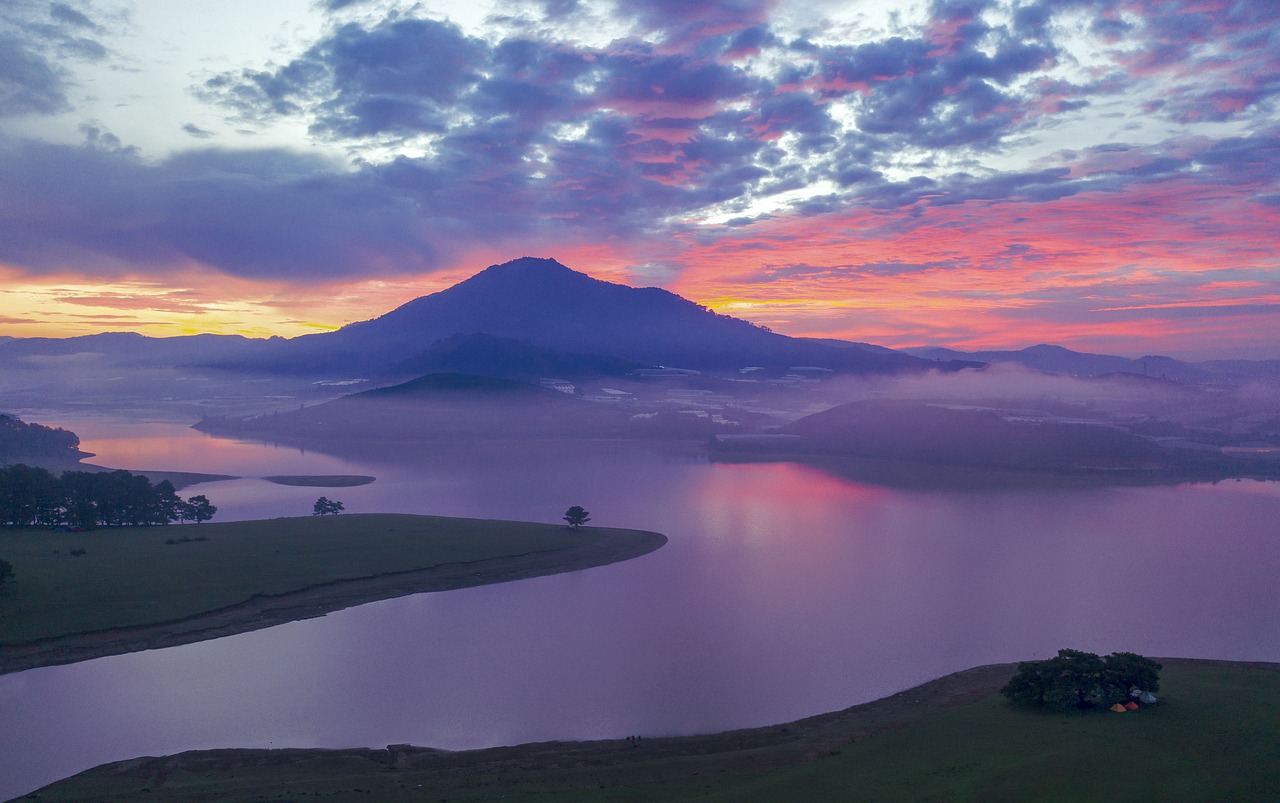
[{"x": 1101, "y": 174}]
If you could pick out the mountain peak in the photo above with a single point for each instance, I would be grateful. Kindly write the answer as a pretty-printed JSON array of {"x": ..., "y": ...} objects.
[
  {"x": 527, "y": 265},
  {"x": 526, "y": 269}
]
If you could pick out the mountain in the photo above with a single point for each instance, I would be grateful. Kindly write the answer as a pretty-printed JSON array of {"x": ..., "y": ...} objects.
[
  {"x": 546, "y": 304},
  {"x": 126, "y": 349},
  {"x": 1059, "y": 360}
]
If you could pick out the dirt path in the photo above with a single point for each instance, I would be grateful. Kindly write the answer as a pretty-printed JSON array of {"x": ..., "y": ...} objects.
[{"x": 270, "y": 610}]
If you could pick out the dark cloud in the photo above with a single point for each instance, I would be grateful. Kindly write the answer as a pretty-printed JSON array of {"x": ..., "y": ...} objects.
[
  {"x": 29, "y": 82},
  {"x": 65, "y": 14},
  {"x": 267, "y": 213},
  {"x": 34, "y": 39},
  {"x": 704, "y": 26},
  {"x": 533, "y": 137}
]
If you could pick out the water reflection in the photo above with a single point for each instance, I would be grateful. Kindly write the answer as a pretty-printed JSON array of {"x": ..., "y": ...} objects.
[{"x": 783, "y": 592}]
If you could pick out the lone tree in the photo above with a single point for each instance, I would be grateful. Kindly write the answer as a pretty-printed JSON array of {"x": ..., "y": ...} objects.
[
  {"x": 325, "y": 506},
  {"x": 198, "y": 509},
  {"x": 1076, "y": 680},
  {"x": 576, "y": 516}
]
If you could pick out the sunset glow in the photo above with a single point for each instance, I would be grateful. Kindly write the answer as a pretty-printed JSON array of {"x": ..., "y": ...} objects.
[{"x": 989, "y": 174}]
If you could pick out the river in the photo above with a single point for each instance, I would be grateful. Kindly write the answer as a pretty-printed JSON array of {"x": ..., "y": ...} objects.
[{"x": 783, "y": 592}]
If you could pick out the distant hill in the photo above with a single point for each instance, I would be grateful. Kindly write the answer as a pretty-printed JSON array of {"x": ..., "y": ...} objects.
[
  {"x": 450, "y": 406},
  {"x": 919, "y": 444},
  {"x": 435, "y": 406},
  {"x": 1059, "y": 360},
  {"x": 37, "y": 444},
  {"x": 491, "y": 355},
  {"x": 904, "y": 430},
  {"x": 126, "y": 349}
]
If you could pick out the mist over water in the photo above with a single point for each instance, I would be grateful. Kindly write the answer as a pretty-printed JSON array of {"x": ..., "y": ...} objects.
[{"x": 783, "y": 592}]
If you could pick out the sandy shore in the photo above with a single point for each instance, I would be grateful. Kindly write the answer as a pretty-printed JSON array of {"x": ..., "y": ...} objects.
[{"x": 270, "y": 610}]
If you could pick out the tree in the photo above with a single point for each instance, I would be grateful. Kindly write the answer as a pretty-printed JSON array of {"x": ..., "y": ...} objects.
[
  {"x": 197, "y": 509},
  {"x": 1076, "y": 680},
  {"x": 28, "y": 496},
  {"x": 6, "y": 575},
  {"x": 325, "y": 506},
  {"x": 166, "y": 505},
  {"x": 576, "y": 516}
]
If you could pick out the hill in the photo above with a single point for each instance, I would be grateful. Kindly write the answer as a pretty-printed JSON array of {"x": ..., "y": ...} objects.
[
  {"x": 916, "y": 431},
  {"x": 504, "y": 357},
  {"x": 36, "y": 443},
  {"x": 1059, "y": 360},
  {"x": 920, "y": 444},
  {"x": 951, "y": 739}
]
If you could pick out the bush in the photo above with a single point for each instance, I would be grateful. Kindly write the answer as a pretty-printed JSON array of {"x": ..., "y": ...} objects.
[{"x": 1078, "y": 680}]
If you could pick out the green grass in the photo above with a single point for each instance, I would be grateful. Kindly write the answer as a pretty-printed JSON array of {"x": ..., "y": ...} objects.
[
  {"x": 130, "y": 576},
  {"x": 1215, "y": 738}
]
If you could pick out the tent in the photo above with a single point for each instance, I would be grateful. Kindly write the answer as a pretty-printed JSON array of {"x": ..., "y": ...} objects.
[
  {"x": 1148, "y": 698},
  {"x": 1131, "y": 706},
  {"x": 1118, "y": 708}
]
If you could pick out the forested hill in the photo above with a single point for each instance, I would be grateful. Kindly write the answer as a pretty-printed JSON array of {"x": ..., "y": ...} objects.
[{"x": 22, "y": 441}]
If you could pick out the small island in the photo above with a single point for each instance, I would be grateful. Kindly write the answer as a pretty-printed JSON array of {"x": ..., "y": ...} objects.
[{"x": 80, "y": 595}]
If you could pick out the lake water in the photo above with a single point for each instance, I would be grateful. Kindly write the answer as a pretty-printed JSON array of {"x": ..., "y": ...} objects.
[{"x": 783, "y": 592}]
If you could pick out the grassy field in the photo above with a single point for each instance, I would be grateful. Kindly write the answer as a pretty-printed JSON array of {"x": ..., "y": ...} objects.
[
  {"x": 1212, "y": 739},
  {"x": 131, "y": 576}
]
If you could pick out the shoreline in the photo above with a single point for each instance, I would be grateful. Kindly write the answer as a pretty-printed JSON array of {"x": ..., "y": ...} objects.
[
  {"x": 571, "y": 767},
  {"x": 267, "y": 610}
]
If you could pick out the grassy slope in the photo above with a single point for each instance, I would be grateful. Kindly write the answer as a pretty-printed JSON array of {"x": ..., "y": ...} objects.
[
  {"x": 130, "y": 576},
  {"x": 1214, "y": 738}
]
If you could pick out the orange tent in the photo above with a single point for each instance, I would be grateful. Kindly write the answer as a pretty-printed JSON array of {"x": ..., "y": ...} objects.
[{"x": 1119, "y": 709}]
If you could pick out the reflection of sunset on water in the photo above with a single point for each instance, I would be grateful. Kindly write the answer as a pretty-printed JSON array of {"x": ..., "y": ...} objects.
[
  {"x": 178, "y": 447},
  {"x": 777, "y": 501}
]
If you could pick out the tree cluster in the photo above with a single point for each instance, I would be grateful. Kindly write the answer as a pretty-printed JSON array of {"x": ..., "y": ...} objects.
[
  {"x": 325, "y": 506},
  {"x": 1079, "y": 680},
  {"x": 32, "y": 497}
]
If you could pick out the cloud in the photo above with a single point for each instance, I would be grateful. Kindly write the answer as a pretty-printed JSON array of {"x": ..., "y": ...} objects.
[
  {"x": 34, "y": 38},
  {"x": 1019, "y": 147},
  {"x": 263, "y": 214},
  {"x": 29, "y": 82}
]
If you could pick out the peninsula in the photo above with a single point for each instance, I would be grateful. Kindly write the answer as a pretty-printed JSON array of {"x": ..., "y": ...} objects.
[{"x": 81, "y": 595}]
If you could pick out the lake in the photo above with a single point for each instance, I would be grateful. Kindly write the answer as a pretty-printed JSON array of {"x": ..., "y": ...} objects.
[{"x": 783, "y": 592}]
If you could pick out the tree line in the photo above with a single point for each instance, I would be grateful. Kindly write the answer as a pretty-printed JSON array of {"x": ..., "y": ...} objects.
[{"x": 34, "y": 497}]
